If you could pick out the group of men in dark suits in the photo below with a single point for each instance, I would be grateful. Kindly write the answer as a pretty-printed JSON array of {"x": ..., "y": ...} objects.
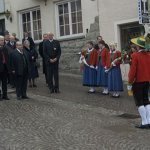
[
  {"x": 14, "y": 65},
  {"x": 50, "y": 51}
]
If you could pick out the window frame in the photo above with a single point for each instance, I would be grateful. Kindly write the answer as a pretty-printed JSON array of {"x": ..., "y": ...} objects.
[
  {"x": 70, "y": 21},
  {"x": 31, "y": 17}
]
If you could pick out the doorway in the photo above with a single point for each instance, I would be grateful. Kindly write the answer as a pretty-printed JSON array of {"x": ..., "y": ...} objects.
[{"x": 129, "y": 31}]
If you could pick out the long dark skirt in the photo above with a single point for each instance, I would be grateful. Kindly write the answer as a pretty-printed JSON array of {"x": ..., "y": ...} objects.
[
  {"x": 89, "y": 76},
  {"x": 102, "y": 77},
  {"x": 115, "y": 82},
  {"x": 33, "y": 73}
]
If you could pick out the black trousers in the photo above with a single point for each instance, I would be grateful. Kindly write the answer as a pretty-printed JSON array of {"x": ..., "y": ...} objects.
[
  {"x": 52, "y": 76},
  {"x": 140, "y": 93},
  {"x": 21, "y": 84},
  {"x": 45, "y": 71},
  {"x": 12, "y": 79},
  {"x": 3, "y": 80}
]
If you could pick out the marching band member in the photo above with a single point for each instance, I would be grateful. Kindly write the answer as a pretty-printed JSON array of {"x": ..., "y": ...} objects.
[
  {"x": 102, "y": 76},
  {"x": 89, "y": 71},
  {"x": 115, "y": 83},
  {"x": 139, "y": 78}
]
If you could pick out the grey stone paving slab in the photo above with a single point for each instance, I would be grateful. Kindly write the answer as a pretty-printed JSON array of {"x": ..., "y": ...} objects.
[{"x": 45, "y": 123}]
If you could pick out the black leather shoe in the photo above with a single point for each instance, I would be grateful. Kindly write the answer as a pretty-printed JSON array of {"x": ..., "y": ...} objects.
[
  {"x": 105, "y": 93},
  {"x": 19, "y": 98},
  {"x": 91, "y": 92},
  {"x": 25, "y": 97},
  {"x": 57, "y": 91},
  {"x": 115, "y": 96},
  {"x": 5, "y": 98},
  {"x": 143, "y": 126},
  {"x": 51, "y": 91},
  {"x": 34, "y": 85}
]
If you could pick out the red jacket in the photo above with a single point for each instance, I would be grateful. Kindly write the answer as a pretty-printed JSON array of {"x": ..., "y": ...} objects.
[
  {"x": 117, "y": 54},
  {"x": 140, "y": 67},
  {"x": 93, "y": 56},
  {"x": 104, "y": 56}
]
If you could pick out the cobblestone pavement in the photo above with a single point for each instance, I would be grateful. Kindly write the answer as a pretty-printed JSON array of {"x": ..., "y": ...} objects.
[
  {"x": 78, "y": 122},
  {"x": 43, "y": 123}
]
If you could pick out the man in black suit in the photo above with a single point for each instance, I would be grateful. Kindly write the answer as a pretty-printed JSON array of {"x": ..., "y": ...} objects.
[
  {"x": 3, "y": 68},
  {"x": 27, "y": 37},
  {"x": 52, "y": 53},
  {"x": 11, "y": 46},
  {"x": 20, "y": 68},
  {"x": 16, "y": 39},
  {"x": 7, "y": 37},
  {"x": 45, "y": 37}
]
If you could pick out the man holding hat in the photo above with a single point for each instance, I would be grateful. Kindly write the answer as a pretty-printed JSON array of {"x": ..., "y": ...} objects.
[{"x": 139, "y": 77}]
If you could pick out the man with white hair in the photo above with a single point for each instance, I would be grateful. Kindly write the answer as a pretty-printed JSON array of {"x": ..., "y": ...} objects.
[
  {"x": 52, "y": 52},
  {"x": 12, "y": 43},
  {"x": 3, "y": 69}
]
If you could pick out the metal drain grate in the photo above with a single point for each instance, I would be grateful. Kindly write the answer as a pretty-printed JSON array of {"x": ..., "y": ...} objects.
[{"x": 129, "y": 116}]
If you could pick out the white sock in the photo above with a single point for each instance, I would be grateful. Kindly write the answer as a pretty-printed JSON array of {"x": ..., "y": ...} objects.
[
  {"x": 114, "y": 93},
  {"x": 147, "y": 107},
  {"x": 105, "y": 90},
  {"x": 142, "y": 112},
  {"x": 117, "y": 94},
  {"x": 92, "y": 89}
]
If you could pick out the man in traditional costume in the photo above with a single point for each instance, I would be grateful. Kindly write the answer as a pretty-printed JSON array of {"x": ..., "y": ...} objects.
[{"x": 139, "y": 78}]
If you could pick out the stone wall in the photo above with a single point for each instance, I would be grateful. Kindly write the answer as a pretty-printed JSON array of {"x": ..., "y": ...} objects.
[{"x": 69, "y": 62}]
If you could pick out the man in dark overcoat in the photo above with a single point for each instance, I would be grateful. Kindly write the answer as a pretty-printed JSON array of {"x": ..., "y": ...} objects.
[
  {"x": 45, "y": 37},
  {"x": 11, "y": 46},
  {"x": 20, "y": 68},
  {"x": 3, "y": 68}
]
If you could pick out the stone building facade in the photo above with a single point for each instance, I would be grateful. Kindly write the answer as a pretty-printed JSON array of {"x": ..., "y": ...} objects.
[{"x": 73, "y": 22}]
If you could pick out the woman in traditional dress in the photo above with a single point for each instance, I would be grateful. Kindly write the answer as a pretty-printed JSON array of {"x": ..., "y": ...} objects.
[
  {"x": 115, "y": 83},
  {"x": 89, "y": 71},
  {"x": 102, "y": 76}
]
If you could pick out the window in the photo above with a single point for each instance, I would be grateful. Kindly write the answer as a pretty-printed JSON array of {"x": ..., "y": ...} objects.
[
  {"x": 2, "y": 6},
  {"x": 31, "y": 23},
  {"x": 70, "y": 18}
]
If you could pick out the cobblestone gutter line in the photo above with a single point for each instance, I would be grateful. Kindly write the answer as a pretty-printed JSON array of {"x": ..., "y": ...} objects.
[{"x": 76, "y": 106}]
